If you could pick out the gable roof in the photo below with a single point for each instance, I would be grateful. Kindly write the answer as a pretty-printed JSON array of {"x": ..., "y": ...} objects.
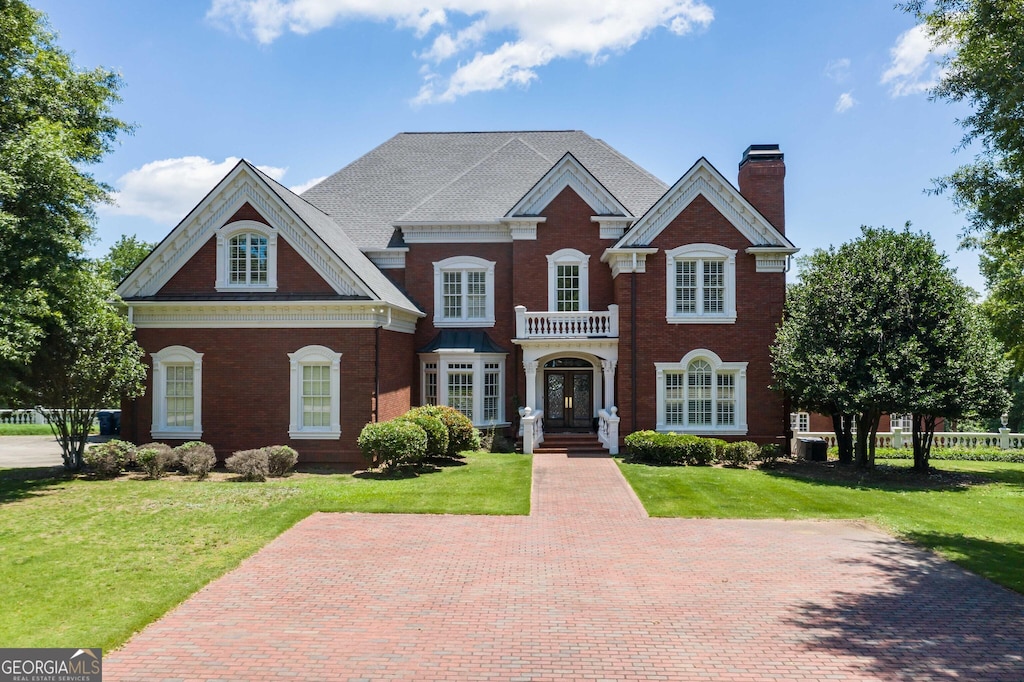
[
  {"x": 703, "y": 179},
  {"x": 348, "y": 270},
  {"x": 465, "y": 177},
  {"x": 568, "y": 172}
]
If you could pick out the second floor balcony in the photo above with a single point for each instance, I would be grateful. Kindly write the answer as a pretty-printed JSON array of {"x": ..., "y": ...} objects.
[{"x": 577, "y": 324}]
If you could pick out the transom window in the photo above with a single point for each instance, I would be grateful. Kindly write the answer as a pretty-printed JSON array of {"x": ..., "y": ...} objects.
[
  {"x": 701, "y": 284},
  {"x": 702, "y": 394},
  {"x": 568, "y": 281},
  {"x": 464, "y": 292},
  {"x": 177, "y": 394},
  {"x": 315, "y": 393},
  {"x": 249, "y": 257},
  {"x": 472, "y": 383},
  {"x": 246, "y": 257}
]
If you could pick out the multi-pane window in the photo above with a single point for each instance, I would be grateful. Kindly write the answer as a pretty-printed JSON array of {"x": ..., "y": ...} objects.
[
  {"x": 800, "y": 422},
  {"x": 698, "y": 384},
  {"x": 686, "y": 286},
  {"x": 902, "y": 421},
  {"x": 460, "y": 388},
  {"x": 492, "y": 392},
  {"x": 701, "y": 284},
  {"x": 316, "y": 395},
  {"x": 248, "y": 259},
  {"x": 700, "y": 281},
  {"x": 567, "y": 288},
  {"x": 430, "y": 383},
  {"x": 179, "y": 395},
  {"x": 464, "y": 292},
  {"x": 714, "y": 286},
  {"x": 701, "y": 393}
]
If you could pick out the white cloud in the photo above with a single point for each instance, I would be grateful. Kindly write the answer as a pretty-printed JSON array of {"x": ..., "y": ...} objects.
[
  {"x": 535, "y": 32},
  {"x": 166, "y": 190},
  {"x": 838, "y": 69},
  {"x": 915, "y": 65},
  {"x": 300, "y": 188},
  {"x": 845, "y": 102}
]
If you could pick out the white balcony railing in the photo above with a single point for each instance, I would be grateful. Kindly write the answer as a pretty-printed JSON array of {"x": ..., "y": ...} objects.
[
  {"x": 898, "y": 438},
  {"x": 567, "y": 325}
]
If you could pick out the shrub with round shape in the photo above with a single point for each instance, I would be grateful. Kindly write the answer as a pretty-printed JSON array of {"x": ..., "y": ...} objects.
[
  {"x": 251, "y": 465},
  {"x": 281, "y": 459},
  {"x": 197, "y": 458},
  {"x": 392, "y": 444},
  {"x": 437, "y": 432},
  {"x": 156, "y": 459},
  {"x": 462, "y": 436},
  {"x": 107, "y": 460},
  {"x": 741, "y": 453}
]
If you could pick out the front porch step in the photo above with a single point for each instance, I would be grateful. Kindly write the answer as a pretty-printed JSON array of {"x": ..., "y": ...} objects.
[{"x": 570, "y": 443}]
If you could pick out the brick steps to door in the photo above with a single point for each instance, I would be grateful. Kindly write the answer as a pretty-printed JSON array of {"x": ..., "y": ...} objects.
[{"x": 572, "y": 444}]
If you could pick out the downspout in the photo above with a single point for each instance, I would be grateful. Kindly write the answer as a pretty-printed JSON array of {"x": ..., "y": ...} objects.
[{"x": 376, "y": 371}]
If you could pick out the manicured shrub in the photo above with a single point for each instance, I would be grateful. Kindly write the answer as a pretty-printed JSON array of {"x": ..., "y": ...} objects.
[
  {"x": 196, "y": 458},
  {"x": 156, "y": 459},
  {"x": 699, "y": 451},
  {"x": 979, "y": 454},
  {"x": 462, "y": 435},
  {"x": 107, "y": 460},
  {"x": 741, "y": 453},
  {"x": 251, "y": 465},
  {"x": 280, "y": 459},
  {"x": 391, "y": 444},
  {"x": 437, "y": 432},
  {"x": 719, "y": 445},
  {"x": 770, "y": 454}
]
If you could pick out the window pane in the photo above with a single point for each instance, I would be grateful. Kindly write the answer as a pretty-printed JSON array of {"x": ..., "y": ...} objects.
[
  {"x": 316, "y": 395},
  {"x": 492, "y": 387},
  {"x": 686, "y": 286},
  {"x": 675, "y": 397},
  {"x": 476, "y": 295},
  {"x": 430, "y": 383},
  {"x": 257, "y": 259},
  {"x": 453, "y": 294},
  {"x": 460, "y": 388},
  {"x": 698, "y": 380},
  {"x": 714, "y": 286},
  {"x": 725, "y": 405},
  {"x": 236, "y": 254},
  {"x": 180, "y": 396},
  {"x": 567, "y": 287}
]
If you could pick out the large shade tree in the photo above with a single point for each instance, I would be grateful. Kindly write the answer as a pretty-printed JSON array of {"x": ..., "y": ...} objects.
[
  {"x": 881, "y": 325},
  {"x": 55, "y": 120}
]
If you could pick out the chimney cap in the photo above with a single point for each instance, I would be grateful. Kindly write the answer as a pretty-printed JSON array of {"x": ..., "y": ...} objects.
[{"x": 762, "y": 152}]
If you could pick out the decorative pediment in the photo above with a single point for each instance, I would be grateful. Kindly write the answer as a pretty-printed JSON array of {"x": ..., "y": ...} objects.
[
  {"x": 568, "y": 172},
  {"x": 242, "y": 185},
  {"x": 703, "y": 179}
]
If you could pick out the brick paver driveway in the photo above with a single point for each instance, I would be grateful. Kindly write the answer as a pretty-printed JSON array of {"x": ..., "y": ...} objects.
[{"x": 586, "y": 587}]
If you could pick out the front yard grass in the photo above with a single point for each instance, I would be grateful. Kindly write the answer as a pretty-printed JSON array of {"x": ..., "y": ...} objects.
[
  {"x": 970, "y": 512},
  {"x": 86, "y": 563}
]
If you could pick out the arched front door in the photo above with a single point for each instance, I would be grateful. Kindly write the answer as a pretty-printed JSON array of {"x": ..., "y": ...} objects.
[{"x": 568, "y": 395}]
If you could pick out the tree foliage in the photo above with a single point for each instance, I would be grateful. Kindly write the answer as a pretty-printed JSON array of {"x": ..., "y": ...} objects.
[
  {"x": 123, "y": 257},
  {"x": 87, "y": 359},
  {"x": 881, "y": 325},
  {"x": 54, "y": 121}
]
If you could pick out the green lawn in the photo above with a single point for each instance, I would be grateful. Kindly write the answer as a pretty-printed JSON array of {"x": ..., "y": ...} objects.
[
  {"x": 973, "y": 514},
  {"x": 87, "y": 563},
  {"x": 31, "y": 430}
]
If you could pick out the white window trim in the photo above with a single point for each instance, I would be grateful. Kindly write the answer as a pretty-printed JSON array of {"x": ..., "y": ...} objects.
[
  {"x": 794, "y": 421},
  {"x": 224, "y": 236},
  {"x": 314, "y": 355},
  {"x": 176, "y": 355},
  {"x": 700, "y": 252},
  {"x": 445, "y": 358},
  {"x": 568, "y": 257},
  {"x": 738, "y": 369},
  {"x": 463, "y": 264}
]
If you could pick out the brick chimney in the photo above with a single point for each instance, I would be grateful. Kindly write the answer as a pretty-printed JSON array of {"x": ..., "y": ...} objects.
[{"x": 762, "y": 182}]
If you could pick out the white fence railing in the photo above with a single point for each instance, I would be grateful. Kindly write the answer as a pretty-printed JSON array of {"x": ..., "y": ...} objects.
[
  {"x": 33, "y": 416},
  {"x": 897, "y": 438},
  {"x": 531, "y": 428},
  {"x": 608, "y": 429},
  {"x": 556, "y": 325}
]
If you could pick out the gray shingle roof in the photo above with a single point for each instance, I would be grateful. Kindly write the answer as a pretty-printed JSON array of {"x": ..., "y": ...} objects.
[{"x": 464, "y": 177}]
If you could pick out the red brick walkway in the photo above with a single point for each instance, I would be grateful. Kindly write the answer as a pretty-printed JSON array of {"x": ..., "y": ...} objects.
[{"x": 586, "y": 588}]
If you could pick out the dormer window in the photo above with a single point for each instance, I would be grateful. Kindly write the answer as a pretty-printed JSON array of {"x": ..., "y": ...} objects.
[{"x": 246, "y": 257}]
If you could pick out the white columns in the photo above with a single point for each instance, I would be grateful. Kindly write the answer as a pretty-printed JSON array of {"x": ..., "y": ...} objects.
[
  {"x": 608, "y": 367},
  {"x": 531, "y": 383}
]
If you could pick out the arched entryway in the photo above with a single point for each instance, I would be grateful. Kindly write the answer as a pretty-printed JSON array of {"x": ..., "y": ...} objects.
[{"x": 569, "y": 394}]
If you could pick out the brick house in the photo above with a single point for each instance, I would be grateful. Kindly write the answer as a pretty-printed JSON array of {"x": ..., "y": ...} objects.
[{"x": 492, "y": 272}]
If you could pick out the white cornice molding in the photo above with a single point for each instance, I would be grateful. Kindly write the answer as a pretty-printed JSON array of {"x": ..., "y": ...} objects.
[
  {"x": 454, "y": 232},
  {"x": 387, "y": 259},
  {"x": 568, "y": 172},
  {"x": 270, "y": 314},
  {"x": 612, "y": 227},
  {"x": 627, "y": 260},
  {"x": 703, "y": 179},
  {"x": 239, "y": 187},
  {"x": 771, "y": 258},
  {"x": 523, "y": 228}
]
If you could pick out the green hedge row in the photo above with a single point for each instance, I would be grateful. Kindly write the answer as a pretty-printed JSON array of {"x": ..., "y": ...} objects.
[
  {"x": 422, "y": 432},
  {"x": 983, "y": 454},
  {"x": 670, "y": 449}
]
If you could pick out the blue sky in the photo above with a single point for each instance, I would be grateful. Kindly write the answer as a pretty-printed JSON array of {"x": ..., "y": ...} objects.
[{"x": 303, "y": 87}]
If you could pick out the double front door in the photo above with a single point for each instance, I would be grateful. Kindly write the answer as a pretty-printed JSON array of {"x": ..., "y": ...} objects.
[{"x": 568, "y": 400}]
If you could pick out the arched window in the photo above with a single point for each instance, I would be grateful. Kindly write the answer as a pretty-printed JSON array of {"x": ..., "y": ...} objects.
[
  {"x": 702, "y": 394},
  {"x": 246, "y": 257},
  {"x": 177, "y": 394},
  {"x": 315, "y": 393}
]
